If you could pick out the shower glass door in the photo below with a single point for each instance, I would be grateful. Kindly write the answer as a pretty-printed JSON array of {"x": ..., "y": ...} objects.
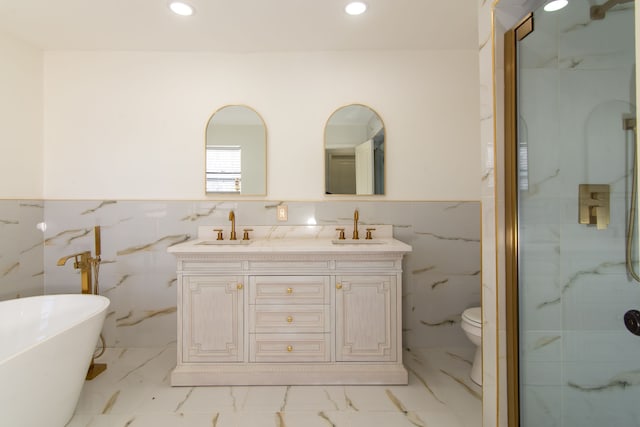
[{"x": 579, "y": 365}]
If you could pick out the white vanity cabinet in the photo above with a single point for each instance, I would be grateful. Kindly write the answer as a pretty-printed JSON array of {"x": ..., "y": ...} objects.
[{"x": 289, "y": 312}]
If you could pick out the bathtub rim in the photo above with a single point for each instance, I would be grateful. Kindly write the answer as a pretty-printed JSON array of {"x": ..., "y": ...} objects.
[{"x": 101, "y": 306}]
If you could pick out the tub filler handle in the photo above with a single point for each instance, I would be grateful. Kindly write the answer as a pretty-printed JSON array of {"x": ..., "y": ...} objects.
[{"x": 82, "y": 261}]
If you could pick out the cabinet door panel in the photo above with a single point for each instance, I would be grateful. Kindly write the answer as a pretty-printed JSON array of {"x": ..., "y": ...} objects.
[
  {"x": 213, "y": 319},
  {"x": 366, "y": 318}
]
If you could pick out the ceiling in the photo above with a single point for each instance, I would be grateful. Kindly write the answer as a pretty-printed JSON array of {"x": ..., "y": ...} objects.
[{"x": 241, "y": 25}]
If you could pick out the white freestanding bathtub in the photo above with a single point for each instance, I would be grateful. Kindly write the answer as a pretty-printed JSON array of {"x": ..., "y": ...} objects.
[{"x": 46, "y": 346}]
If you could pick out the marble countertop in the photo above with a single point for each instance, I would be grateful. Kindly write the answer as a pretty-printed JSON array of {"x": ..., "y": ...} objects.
[{"x": 292, "y": 239}]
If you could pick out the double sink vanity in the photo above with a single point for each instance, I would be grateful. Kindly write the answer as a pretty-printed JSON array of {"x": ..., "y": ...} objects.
[
  {"x": 285, "y": 305},
  {"x": 291, "y": 305}
]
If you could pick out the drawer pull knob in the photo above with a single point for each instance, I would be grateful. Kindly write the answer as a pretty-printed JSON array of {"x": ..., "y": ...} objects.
[
  {"x": 289, "y": 348},
  {"x": 339, "y": 286},
  {"x": 289, "y": 291},
  {"x": 239, "y": 286},
  {"x": 289, "y": 319}
]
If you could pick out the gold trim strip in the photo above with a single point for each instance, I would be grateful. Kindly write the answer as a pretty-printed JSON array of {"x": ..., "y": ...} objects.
[
  {"x": 495, "y": 209},
  {"x": 511, "y": 39},
  {"x": 511, "y": 225},
  {"x": 524, "y": 27}
]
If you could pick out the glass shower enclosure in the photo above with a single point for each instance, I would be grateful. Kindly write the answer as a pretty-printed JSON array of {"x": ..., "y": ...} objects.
[{"x": 579, "y": 359}]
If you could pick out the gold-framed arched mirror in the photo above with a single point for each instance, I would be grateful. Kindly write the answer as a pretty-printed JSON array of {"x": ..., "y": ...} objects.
[
  {"x": 236, "y": 152},
  {"x": 354, "y": 145}
]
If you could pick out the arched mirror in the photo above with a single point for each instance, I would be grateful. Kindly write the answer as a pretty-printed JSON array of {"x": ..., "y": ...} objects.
[
  {"x": 236, "y": 152},
  {"x": 354, "y": 151}
]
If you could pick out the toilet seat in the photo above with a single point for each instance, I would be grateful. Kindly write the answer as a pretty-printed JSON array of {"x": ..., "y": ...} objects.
[{"x": 473, "y": 315}]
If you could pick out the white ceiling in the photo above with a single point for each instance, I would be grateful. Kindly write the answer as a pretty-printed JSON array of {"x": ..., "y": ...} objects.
[{"x": 241, "y": 25}]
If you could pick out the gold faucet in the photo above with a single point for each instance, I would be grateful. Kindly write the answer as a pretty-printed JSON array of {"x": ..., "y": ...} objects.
[
  {"x": 87, "y": 265},
  {"x": 232, "y": 218},
  {"x": 356, "y": 216},
  {"x": 82, "y": 261}
]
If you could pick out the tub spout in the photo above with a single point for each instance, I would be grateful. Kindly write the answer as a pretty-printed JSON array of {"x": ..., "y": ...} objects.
[
  {"x": 62, "y": 261},
  {"x": 82, "y": 261}
]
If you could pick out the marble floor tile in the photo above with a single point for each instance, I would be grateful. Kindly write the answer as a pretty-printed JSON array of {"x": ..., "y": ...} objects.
[{"x": 134, "y": 391}]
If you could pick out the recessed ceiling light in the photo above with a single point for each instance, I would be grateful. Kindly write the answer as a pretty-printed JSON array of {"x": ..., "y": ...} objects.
[
  {"x": 554, "y": 5},
  {"x": 180, "y": 8},
  {"x": 355, "y": 8}
]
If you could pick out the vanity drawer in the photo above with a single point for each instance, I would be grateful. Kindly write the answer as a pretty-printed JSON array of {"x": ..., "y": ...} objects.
[
  {"x": 289, "y": 318},
  {"x": 289, "y": 290},
  {"x": 289, "y": 347}
]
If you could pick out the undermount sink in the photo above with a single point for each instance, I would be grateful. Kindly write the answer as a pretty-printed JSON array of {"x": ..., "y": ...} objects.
[
  {"x": 224, "y": 242},
  {"x": 357, "y": 242}
]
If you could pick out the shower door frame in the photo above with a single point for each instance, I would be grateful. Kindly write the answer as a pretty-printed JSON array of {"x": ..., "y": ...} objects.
[{"x": 511, "y": 39}]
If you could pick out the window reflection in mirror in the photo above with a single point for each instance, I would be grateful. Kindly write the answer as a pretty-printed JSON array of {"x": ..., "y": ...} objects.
[
  {"x": 236, "y": 151},
  {"x": 354, "y": 151}
]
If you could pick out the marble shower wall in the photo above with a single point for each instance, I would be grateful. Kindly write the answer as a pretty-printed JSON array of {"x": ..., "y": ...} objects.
[
  {"x": 578, "y": 363},
  {"x": 441, "y": 275},
  {"x": 21, "y": 250}
]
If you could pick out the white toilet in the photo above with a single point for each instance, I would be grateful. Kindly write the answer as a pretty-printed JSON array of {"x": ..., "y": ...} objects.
[{"x": 472, "y": 326}]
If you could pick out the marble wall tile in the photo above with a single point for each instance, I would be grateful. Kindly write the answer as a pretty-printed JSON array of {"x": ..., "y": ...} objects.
[
  {"x": 21, "y": 248},
  {"x": 542, "y": 403},
  {"x": 441, "y": 274}
]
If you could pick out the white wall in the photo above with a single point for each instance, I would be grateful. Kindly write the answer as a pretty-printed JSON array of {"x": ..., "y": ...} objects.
[
  {"x": 20, "y": 120},
  {"x": 130, "y": 125}
]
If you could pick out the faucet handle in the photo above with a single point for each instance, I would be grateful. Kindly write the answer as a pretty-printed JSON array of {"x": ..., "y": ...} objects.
[
  {"x": 341, "y": 234},
  {"x": 369, "y": 230},
  {"x": 245, "y": 236},
  {"x": 219, "y": 230}
]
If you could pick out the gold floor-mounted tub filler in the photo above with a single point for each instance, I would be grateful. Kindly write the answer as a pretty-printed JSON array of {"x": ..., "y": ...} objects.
[{"x": 89, "y": 269}]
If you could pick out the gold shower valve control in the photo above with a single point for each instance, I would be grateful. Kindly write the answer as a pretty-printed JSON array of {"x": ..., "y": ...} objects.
[{"x": 593, "y": 201}]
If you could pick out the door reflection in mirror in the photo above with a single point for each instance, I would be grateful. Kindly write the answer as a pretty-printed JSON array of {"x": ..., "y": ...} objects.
[
  {"x": 236, "y": 151},
  {"x": 354, "y": 151}
]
